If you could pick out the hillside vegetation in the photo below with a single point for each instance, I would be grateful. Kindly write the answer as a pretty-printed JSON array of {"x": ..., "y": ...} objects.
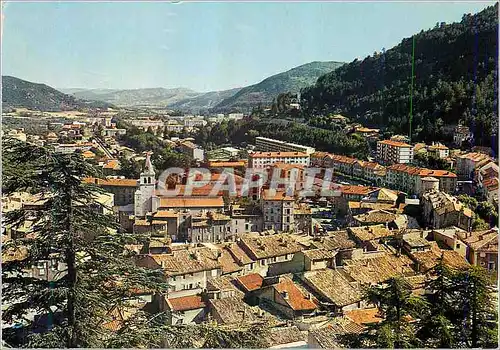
[
  {"x": 18, "y": 93},
  {"x": 455, "y": 80},
  {"x": 268, "y": 89}
]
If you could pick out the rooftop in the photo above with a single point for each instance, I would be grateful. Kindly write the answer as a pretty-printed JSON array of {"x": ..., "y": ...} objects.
[
  {"x": 394, "y": 143},
  {"x": 278, "y": 155},
  {"x": 334, "y": 286},
  {"x": 191, "y": 202},
  {"x": 182, "y": 261},
  {"x": 191, "y": 302},
  {"x": 263, "y": 247},
  {"x": 112, "y": 182},
  {"x": 276, "y": 195},
  {"x": 364, "y": 316},
  {"x": 251, "y": 281},
  {"x": 295, "y": 298},
  {"x": 378, "y": 268},
  {"x": 368, "y": 233}
]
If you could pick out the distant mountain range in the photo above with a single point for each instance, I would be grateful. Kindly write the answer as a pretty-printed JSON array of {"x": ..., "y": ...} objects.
[
  {"x": 234, "y": 99},
  {"x": 204, "y": 101},
  {"x": 150, "y": 97},
  {"x": 18, "y": 93}
]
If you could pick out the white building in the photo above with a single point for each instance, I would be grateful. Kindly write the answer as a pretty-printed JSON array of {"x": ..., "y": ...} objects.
[
  {"x": 391, "y": 152},
  {"x": 439, "y": 150},
  {"x": 235, "y": 116},
  {"x": 144, "y": 194},
  {"x": 260, "y": 160},
  {"x": 147, "y": 123},
  {"x": 112, "y": 132},
  {"x": 192, "y": 150},
  {"x": 271, "y": 145}
]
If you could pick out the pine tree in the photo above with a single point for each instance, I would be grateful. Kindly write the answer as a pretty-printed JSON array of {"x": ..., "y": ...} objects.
[
  {"x": 437, "y": 329},
  {"x": 400, "y": 309},
  {"x": 99, "y": 275},
  {"x": 474, "y": 301},
  {"x": 67, "y": 230}
]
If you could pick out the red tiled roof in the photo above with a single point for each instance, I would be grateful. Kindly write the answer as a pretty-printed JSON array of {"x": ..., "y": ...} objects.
[
  {"x": 226, "y": 164},
  {"x": 251, "y": 282},
  {"x": 360, "y": 190},
  {"x": 395, "y": 143},
  {"x": 365, "y": 316},
  {"x": 267, "y": 195},
  {"x": 296, "y": 299},
  {"x": 436, "y": 173},
  {"x": 111, "y": 182},
  {"x": 191, "y": 302},
  {"x": 191, "y": 202}
]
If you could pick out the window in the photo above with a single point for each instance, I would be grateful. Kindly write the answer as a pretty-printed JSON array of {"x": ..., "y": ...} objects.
[
  {"x": 263, "y": 262},
  {"x": 458, "y": 245}
]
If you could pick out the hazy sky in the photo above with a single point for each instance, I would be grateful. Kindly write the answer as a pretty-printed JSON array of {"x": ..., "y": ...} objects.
[{"x": 202, "y": 46}]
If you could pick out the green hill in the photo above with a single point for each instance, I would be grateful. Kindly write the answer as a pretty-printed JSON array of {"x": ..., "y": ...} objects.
[
  {"x": 455, "y": 79},
  {"x": 18, "y": 93},
  {"x": 268, "y": 89}
]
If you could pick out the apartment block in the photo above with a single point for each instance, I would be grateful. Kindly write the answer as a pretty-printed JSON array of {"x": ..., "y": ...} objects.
[
  {"x": 260, "y": 160},
  {"x": 391, "y": 152},
  {"x": 270, "y": 145}
]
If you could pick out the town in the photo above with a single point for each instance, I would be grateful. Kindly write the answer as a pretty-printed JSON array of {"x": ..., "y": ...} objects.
[
  {"x": 294, "y": 243},
  {"x": 250, "y": 175}
]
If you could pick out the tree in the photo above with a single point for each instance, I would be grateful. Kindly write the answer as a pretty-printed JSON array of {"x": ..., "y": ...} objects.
[
  {"x": 437, "y": 329},
  {"x": 399, "y": 308},
  {"x": 478, "y": 319},
  {"x": 488, "y": 212},
  {"x": 99, "y": 275},
  {"x": 479, "y": 224},
  {"x": 462, "y": 312},
  {"x": 129, "y": 168},
  {"x": 66, "y": 230}
]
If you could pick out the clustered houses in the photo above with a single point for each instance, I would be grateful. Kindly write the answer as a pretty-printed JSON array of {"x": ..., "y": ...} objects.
[
  {"x": 288, "y": 280},
  {"x": 466, "y": 164},
  {"x": 400, "y": 177},
  {"x": 487, "y": 182},
  {"x": 443, "y": 210}
]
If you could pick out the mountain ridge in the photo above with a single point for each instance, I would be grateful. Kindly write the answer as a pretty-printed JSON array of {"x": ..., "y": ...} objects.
[
  {"x": 19, "y": 93},
  {"x": 269, "y": 88}
]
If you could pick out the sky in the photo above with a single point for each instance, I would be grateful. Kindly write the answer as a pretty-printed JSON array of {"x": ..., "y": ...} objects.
[{"x": 203, "y": 46}]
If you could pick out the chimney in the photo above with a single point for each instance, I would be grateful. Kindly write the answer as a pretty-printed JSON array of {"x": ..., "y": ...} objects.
[
  {"x": 285, "y": 295},
  {"x": 309, "y": 296},
  {"x": 481, "y": 237}
]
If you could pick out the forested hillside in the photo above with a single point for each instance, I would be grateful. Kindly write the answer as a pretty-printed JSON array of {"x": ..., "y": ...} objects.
[
  {"x": 455, "y": 80},
  {"x": 264, "y": 92},
  {"x": 21, "y": 93}
]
